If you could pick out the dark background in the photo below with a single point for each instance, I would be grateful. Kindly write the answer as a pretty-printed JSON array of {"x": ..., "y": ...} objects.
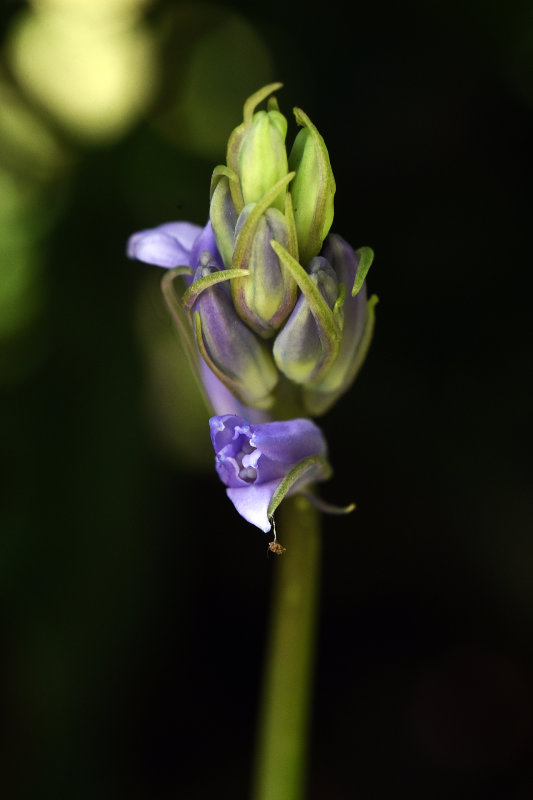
[{"x": 134, "y": 599}]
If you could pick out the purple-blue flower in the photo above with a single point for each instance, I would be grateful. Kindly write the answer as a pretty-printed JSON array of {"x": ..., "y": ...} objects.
[
  {"x": 253, "y": 461},
  {"x": 169, "y": 245}
]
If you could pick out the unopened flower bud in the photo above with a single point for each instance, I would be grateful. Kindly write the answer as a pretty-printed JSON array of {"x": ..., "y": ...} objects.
[
  {"x": 263, "y": 157},
  {"x": 312, "y": 188},
  {"x": 350, "y": 267},
  {"x": 299, "y": 347},
  {"x": 265, "y": 297},
  {"x": 256, "y": 152},
  {"x": 235, "y": 355}
]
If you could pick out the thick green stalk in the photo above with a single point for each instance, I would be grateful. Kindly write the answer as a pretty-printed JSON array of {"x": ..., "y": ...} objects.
[{"x": 282, "y": 752}]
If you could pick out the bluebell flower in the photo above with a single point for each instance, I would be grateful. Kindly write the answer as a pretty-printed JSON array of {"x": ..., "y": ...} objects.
[
  {"x": 262, "y": 464},
  {"x": 273, "y": 308}
]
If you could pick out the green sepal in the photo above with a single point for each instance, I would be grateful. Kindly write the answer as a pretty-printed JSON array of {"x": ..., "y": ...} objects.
[
  {"x": 328, "y": 330},
  {"x": 244, "y": 239},
  {"x": 313, "y": 187},
  {"x": 182, "y": 322},
  {"x": 291, "y": 227},
  {"x": 366, "y": 257},
  {"x": 328, "y": 508},
  {"x": 301, "y": 472},
  {"x": 221, "y": 171},
  {"x": 232, "y": 157},
  {"x": 337, "y": 308},
  {"x": 199, "y": 286},
  {"x": 229, "y": 383},
  {"x": 251, "y": 103}
]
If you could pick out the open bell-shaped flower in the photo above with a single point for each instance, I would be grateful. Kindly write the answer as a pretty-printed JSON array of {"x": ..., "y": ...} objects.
[{"x": 262, "y": 464}]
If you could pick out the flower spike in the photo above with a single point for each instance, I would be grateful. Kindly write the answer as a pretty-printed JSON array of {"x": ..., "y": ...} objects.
[{"x": 272, "y": 308}]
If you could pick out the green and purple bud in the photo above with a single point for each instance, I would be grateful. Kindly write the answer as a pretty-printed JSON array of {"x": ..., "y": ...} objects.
[
  {"x": 301, "y": 347},
  {"x": 230, "y": 349},
  {"x": 266, "y": 296},
  {"x": 357, "y": 321}
]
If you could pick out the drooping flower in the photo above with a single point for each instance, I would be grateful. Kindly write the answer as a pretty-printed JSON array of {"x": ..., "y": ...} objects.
[{"x": 262, "y": 464}]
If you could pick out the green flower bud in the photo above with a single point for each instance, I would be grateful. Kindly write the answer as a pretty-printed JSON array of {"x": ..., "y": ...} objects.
[
  {"x": 263, "y": 157},
  {"x": 257, "y": 152},
  {"x": 265, "y": 297},
  {"x": 312, "y": 189}
]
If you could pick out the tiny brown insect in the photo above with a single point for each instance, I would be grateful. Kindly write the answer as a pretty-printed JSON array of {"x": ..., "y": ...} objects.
[{"x": 276, "y": 547}]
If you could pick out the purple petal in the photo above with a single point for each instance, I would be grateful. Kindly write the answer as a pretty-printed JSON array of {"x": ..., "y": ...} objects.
[
  {"x": 184, "y": 232},
  {"x": 252, "y": 502},
  {"x": 223, "y": 430},
  {"x": 205, "y": 241},
  {"x": 168, "y": 245},
  {"x": 288, "y": 442}
]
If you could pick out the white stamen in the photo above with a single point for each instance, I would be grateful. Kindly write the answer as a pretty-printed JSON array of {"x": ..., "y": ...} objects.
[{"x": 248, "y": 474}]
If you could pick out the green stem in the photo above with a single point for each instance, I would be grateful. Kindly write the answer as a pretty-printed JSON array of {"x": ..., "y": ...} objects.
[{"x": 281, "y": 760}]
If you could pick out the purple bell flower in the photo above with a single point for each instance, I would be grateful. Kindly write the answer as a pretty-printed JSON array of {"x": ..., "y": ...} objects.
[{"x": 253, "y": 461}]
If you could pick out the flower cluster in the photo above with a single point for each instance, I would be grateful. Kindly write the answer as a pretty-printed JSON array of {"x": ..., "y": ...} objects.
[{"x": 274, "y": 308}]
